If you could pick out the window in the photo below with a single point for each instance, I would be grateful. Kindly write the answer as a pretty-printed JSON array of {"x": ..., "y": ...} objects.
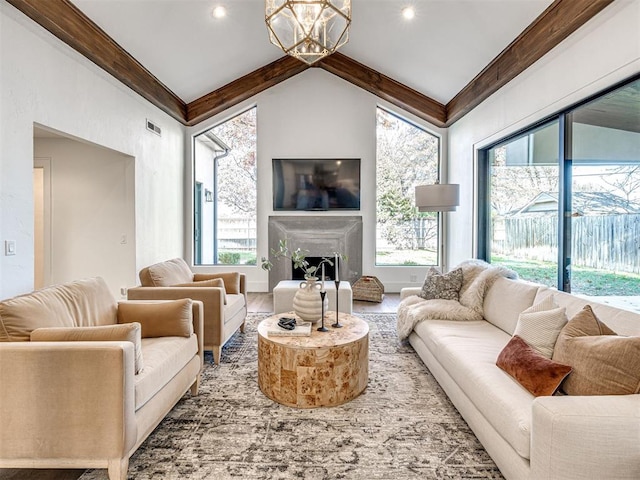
[
  {"x": 561, "y": 202},
  {"x": 407, "y": 156},
  {"x": 523, "y": 215},
  {"x": 224, "y": 223}
]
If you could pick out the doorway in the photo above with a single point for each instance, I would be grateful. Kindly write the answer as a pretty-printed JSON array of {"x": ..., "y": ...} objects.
[
  {"x": 84, "y": 212},
  {"x": 42, "y": 222}
]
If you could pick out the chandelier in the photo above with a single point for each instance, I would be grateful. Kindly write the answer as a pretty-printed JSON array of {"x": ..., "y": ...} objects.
[{"x": 308, "y": 29}]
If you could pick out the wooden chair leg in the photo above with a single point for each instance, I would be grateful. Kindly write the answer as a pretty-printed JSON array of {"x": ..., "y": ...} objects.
[
  {"x": 196, "y": 386},
  {"x": 117, "y": 468},
  {"x": 217, "y": 353},
  {"x": 242, "y": 327}
]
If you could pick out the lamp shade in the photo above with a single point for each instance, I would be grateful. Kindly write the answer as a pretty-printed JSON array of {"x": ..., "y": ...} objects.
[{"x": 439, "y": 197}]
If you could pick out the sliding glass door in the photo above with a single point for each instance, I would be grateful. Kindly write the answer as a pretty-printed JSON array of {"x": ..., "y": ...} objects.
[
  {"x": 605, "y": 194},
  {"x": 523, "y": 206},
  {"x": 560, "y": 202}
]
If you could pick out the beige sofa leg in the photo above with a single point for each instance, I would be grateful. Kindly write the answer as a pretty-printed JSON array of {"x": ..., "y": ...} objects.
[
  {"x": 195, "y": 387},
  {"x": 118, "y": 468},
  {"x": 242, "y": 327},
  {"x": 217, "y": 353}
]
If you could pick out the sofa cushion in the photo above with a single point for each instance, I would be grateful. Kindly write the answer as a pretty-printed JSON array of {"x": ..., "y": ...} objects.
[
  {"x": 540, "y": 325},
  {"x": 622, "y": 321},
  {"x": 160, "y": 318},
  {"x": 129, "y": 332},
  {"x": 214, "y": 282},
  {"x": 164, "y": 357},
  {"x": 82, "y": 303},
  {"x": 534, "y": 371},
  {"x": 231, "y": 280},
  {"x": 445, "y": 286},
  {"x": 603, "y": 362},
  {"x": 468, "y": 351},
  {"x": 165, "y": 274},
  {"x": 505, "y": 300}
]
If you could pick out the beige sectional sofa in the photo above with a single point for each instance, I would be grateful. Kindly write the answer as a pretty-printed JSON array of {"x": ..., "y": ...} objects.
[
  {"x": 224, "y": 296},
  {"x": 559, "y": 437},
  {"x": 71, "y": 400}
]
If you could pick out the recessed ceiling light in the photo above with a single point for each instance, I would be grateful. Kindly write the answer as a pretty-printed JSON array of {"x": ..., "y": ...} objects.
[
  {"x": 219, "y": 12},
  {"x": 408, "y": 13}
]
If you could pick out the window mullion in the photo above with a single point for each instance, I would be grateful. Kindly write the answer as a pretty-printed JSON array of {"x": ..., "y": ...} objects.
[{"x": 564, "y": 202}]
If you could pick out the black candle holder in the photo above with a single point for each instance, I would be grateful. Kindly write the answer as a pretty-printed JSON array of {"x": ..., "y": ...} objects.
[
  {"x": 322, "y": 328},
  {"x": 337, "y": 324}
]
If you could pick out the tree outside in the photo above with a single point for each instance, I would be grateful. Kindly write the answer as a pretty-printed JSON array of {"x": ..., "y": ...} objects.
[
  {"x": 235, "y": 178},
  {"x": 407, "y": 156}
]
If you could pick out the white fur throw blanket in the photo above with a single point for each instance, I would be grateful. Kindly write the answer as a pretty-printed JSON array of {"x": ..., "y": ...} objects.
[{"x": 477, "y": 277}]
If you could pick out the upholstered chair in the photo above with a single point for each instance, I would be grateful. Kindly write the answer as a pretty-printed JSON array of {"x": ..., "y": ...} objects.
[{"x": 224, "y": 297}]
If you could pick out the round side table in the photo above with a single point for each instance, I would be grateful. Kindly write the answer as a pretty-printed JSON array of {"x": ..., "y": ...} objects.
[{"x": 324, "y": 369}]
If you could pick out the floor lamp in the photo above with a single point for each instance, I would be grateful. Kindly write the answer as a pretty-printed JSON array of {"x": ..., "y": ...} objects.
[{"x": 438, "y": 197}]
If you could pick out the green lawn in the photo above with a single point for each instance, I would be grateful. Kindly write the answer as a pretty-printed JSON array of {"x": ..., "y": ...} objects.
[
  {"x": 405, "y": 257},
  {"x": 587, "y": 281}
]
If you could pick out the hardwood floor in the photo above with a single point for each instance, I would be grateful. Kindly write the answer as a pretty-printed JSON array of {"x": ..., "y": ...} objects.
[
  {"x": 257, "y": 302},
  {"x": 263, "y": 302}
]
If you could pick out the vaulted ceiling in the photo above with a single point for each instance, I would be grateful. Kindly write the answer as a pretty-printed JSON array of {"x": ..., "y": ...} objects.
[{"x": 439, "y": 66}]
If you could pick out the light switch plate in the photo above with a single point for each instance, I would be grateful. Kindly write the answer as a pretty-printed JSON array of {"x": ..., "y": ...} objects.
[{"x": 9, "y": 247}]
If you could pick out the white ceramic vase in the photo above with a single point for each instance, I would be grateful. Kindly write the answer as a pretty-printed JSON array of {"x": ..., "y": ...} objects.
[{"x": 307, "y": 303}]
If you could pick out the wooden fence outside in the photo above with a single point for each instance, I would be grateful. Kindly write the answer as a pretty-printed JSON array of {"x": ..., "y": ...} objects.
[{"x": 608, "y": 242}]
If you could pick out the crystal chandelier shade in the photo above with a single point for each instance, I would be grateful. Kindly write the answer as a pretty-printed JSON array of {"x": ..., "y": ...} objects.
[{"x": 308, "y": 29}]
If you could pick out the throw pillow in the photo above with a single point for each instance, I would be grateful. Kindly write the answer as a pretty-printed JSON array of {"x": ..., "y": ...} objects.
[
  {"x": 130, "y": 332},
  {"x": 443, "y": 286},
  {"x": 231, "y": 280},
  {"x": 171, "y": 318},
  {"x": 538, "y": 374},
  {"x": 540, "y": 325},
  {"x": 603, "y": 362},
  {"x": 214, "y": 282}
]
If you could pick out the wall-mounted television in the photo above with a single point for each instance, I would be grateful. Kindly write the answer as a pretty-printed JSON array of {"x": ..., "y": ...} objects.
[{"x": 316, "y": 184}]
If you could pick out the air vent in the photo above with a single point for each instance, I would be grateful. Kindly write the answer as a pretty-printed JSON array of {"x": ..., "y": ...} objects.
[{"x": 152, "y": 127}]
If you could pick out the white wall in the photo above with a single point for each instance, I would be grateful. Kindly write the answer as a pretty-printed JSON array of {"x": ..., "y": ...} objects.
[
  {"x": 43, "y": 81},
  {"x": 316, "y": 114},
  {"x": 603, "y": 52},
  {"x": 92, "y": 213}
]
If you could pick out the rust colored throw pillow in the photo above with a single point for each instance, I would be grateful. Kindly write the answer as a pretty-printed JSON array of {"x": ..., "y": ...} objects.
[
  {"x": 130, "y": 332},
  {"x": 214, "y": 282},
  {"x": 231, "y": 280},
  {"x": 603, "y": 362},
  {"x": 538, "y": 374},
  {"x": 171, "y": 318}
]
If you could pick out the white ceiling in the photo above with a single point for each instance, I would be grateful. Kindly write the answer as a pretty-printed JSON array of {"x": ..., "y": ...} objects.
[{"x": 437, "y": 53}]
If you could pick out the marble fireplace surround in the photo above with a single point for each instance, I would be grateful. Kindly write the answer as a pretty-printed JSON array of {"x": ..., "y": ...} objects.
[{"x": 320, "y": 236}]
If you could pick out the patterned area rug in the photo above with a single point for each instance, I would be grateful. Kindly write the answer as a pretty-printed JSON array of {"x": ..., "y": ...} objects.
[{"x": 402, "y": 427}]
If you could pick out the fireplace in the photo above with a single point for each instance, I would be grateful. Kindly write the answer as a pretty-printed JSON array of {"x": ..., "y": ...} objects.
[
  {"x": 320, "y": 236},
  {"x": 329, "y": 270}
]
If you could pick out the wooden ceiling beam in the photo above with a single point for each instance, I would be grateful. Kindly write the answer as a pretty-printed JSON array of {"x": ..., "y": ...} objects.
[
  {"x": 243, "y": 88},
  {"x": 384, "y": 87},
  {"x": 556, "y": 23},
  {"x": 69, "y": 24}
]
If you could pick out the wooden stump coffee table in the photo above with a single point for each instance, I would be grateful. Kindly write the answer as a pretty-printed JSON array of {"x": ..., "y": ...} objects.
[{"x": 321, "y": 370}]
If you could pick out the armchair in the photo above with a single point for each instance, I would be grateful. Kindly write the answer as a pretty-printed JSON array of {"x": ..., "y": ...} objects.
[
  {"x": 224, "y": 296},
  {"x": 85, "y": 380}
]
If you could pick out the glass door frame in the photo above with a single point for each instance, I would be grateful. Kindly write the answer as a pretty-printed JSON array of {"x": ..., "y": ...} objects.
[{"x": 565, "y": 168}]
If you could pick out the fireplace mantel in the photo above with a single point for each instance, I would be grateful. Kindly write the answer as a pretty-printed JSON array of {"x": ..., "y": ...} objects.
[{"x": 320, "y": 236}]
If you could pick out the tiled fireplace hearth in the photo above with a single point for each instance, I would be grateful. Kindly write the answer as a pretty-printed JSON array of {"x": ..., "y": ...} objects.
[{"x": 320, "y": 236}]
